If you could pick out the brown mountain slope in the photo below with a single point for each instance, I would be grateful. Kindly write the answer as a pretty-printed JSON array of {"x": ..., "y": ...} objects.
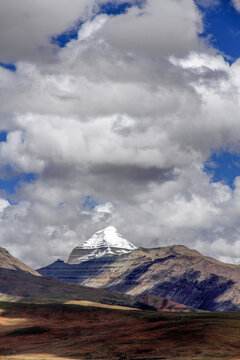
[
  {"x": 18, "y": 280},
  {"x": 7, "y": 261},
  {"x": 19, "y": 283},
  {"x": 175, "y": 272}
]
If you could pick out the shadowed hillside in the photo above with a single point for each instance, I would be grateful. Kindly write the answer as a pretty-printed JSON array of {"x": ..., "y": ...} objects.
[
  {"x": 22, "y": 284},
  {"x": 18, "y": 280}
]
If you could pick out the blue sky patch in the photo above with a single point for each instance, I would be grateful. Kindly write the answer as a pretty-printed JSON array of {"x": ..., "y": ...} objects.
[
  {"x": 10, "y": 181},
  {"x": 62, "y": 39},
  {"x": 111, "y": 8},
  {"x": 10, "y": 67},
  {"x": 223, "y": 166},
  {"x": 3, "y": 136},
  {"x": 222, "y": 28}
]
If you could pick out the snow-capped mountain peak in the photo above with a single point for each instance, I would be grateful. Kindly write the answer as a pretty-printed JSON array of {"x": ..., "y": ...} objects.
[
  {"x": 108, "y": 237},
  {"x": 106, "y": 242}
]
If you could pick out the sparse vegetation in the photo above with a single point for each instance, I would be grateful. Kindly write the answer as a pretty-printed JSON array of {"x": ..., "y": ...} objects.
[{"x": 82, "y": 331}]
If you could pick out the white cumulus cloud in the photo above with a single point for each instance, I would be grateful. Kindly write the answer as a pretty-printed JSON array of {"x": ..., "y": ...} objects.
[{"x": 127, "y": 114}]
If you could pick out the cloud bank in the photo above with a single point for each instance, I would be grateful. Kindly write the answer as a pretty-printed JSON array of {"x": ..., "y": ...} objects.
[{"x": 116, "y": 126}]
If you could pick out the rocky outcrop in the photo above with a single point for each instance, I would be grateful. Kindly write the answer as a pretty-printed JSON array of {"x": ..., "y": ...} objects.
[{"x": 176, "y": 273}]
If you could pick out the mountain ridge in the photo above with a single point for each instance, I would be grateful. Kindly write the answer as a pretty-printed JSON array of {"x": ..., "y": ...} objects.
[
  {"x": 174, "y": 272},
  {"x": 19, "y": 283}
]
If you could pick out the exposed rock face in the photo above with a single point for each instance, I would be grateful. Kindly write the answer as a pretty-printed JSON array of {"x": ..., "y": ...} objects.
[
  {"x": 106, "y": 242},
  {"x": 176, "y": 273}
]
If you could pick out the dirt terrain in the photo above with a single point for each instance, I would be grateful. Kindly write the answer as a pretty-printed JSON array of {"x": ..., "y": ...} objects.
[{"x": 67, "y": 331}]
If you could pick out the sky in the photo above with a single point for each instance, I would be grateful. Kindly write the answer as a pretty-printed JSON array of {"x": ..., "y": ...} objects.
[{"x": 123, "y": 113}]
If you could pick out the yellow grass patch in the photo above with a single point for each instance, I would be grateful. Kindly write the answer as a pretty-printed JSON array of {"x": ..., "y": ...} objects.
[
  {"x": 4, "y": 321},
  {"x": 96, "y": 304}
]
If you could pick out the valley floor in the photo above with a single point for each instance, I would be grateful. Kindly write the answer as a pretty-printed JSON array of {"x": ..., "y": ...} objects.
[{"x": 73, "y": 331}]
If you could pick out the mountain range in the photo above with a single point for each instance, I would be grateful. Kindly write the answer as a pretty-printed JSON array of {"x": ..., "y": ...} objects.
[
  {"x": 18, "y": 282},
  {"x": 51, "y": 319},
  {"x": 176, "y": 273},
  {"x": 115, "y": 272},
  {"x": 99, "y": 310}
]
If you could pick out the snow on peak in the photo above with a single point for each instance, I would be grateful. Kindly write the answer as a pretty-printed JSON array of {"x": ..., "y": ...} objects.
[{"x": 108, "y": 237}]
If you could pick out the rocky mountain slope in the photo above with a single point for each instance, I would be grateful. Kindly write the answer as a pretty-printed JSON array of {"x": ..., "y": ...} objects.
[
  {"x": 175, "y": 272},
  {"x": 106, "y": 242},
  {"x": 7, "y": 261},
  {"x": 18, "y": 280}
]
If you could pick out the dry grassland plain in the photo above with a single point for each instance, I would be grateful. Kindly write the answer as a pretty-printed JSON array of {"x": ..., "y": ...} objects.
[{"x": 84, "y": 331}]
